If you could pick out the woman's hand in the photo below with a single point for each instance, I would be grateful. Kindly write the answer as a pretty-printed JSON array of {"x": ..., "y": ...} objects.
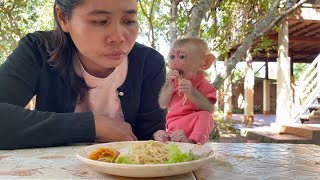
[{"x": 110, "y": 130}]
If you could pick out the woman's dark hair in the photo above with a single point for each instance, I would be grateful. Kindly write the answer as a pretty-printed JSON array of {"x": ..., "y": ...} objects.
[{"x": 64, "y": 50}]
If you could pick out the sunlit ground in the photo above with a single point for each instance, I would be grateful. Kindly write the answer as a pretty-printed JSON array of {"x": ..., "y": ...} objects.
[{"x": 228, "y": 134}]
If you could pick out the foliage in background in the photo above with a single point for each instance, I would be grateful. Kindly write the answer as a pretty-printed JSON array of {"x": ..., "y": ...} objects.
[
  {"x": 299, "y": 68},
  {"x": 265, "y": 45},
  {"x": 230, "y": 27},
  {"x": 223, "y": 24},
  {"x": 153, "y": 21},
  {"x": 237, "y": 76},
  {"x": 238, "y": 16},
  {"x": 224, "y": 17},
  {"x": 18, "y": 17}
]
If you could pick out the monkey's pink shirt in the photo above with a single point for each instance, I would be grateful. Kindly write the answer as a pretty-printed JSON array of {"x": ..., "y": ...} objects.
[
  {"x": 197, "y": 124},
  {"x": 103, "y": 98}
]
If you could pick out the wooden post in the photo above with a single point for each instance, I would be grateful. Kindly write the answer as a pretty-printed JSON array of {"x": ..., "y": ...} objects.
[
  {"x": 284, "y": 95},
  {"x": 213, "y": 72},
  {"x": 318, "y": 75},
  {"x": 266, "y": 96},
  {"x": 266, "y": 91},
  {"x": 249, "y": 91},
  {"x": 227, "y": 97}
]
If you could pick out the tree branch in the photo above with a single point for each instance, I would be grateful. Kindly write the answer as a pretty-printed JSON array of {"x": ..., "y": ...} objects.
[
  {"x": 273, "y": 7},
  {"x": 173, "y": 20},
  {"x": 197, "y": 14},
  {"x": 261, "y": 29},
  {"x": 149, "y": 18}
]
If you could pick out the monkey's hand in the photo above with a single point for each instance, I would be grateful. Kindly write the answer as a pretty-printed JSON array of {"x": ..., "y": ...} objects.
[
  {"x": 167, "y": 91},
  {"x": 186, "y": 87},
  {"x": 161, "y": 135},
  {"x": 179, "y": 136},
  {"x": 173, "y": 76},
  {"x": 195, "y": 96}
]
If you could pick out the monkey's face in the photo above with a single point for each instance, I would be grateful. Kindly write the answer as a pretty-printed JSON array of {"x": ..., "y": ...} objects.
[{"x": 180, "y": 59}]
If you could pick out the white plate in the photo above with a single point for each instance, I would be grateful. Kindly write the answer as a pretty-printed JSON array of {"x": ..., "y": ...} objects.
[{"x": 150, "y": 170}]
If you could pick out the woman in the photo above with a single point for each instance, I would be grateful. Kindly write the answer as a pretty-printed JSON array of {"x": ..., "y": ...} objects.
[{"x": 92, "y": 81}]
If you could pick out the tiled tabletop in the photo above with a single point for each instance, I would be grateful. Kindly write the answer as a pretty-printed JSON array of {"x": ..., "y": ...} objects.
[
  {"x": 233, "y": 161},
  {"x": 262, "y": 161}
]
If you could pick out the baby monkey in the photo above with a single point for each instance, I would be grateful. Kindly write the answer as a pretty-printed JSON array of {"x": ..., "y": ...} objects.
[{"x": 187, "y": 93}]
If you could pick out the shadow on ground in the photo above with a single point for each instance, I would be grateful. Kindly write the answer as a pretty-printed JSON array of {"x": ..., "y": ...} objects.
[{"x": 224, "y": 132}]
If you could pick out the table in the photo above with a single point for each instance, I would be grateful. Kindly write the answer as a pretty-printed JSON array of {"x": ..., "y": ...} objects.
[
  {"x": 263, "y": 161},
  {"x": 233, "y": 161}
]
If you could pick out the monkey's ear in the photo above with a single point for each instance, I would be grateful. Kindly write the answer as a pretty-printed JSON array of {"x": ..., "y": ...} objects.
[{"x": 207, "y": 62}]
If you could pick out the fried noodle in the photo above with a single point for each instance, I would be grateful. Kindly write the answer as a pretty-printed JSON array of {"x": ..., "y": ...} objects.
[{"x": 151, "y": 152}]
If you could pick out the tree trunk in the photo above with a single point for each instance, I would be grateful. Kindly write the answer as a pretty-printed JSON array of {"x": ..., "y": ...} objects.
[
  {"x": 173, "y": 20},
  {"x": 198, "y": 13}
]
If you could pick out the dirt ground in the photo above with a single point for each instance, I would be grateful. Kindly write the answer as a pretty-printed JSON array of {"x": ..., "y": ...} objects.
[
  {"x": 232, "y": 137},
  {"x": 223, "y": 133}
]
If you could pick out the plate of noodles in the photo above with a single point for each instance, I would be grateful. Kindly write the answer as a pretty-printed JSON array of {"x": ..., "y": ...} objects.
[{"x": 145, "y": 158}]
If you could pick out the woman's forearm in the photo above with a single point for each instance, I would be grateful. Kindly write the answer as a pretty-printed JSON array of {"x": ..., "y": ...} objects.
[{"x": 23, "y": 128}]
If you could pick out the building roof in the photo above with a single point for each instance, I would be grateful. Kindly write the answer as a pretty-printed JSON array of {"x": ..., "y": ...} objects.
[{"x": 304, "y": 36}]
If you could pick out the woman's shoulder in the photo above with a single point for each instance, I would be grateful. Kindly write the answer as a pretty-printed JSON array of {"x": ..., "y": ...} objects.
[
  {"x": 140, "y": 51},
  {"x": 147, "y": 59},
  {"x": 40, "y": 34},
  {"x": 32, "y": 48},
  {"x": 39, "y": 37},
  {"x": 40, "y": 42}
]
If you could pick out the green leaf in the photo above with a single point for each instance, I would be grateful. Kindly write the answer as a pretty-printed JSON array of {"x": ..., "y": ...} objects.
[{"x": 176, "y": 156}]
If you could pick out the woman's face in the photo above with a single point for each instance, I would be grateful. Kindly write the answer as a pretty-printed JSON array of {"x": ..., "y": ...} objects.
[{"x": 104, "y": 32}]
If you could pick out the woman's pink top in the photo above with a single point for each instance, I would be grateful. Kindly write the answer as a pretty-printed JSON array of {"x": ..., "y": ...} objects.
[{"x": 103, "y": 98}]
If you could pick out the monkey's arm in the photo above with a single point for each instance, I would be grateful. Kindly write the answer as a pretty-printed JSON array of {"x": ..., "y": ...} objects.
[
  {"x": 166, "y": 95},
  {"x": 201, "y": 101}
]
